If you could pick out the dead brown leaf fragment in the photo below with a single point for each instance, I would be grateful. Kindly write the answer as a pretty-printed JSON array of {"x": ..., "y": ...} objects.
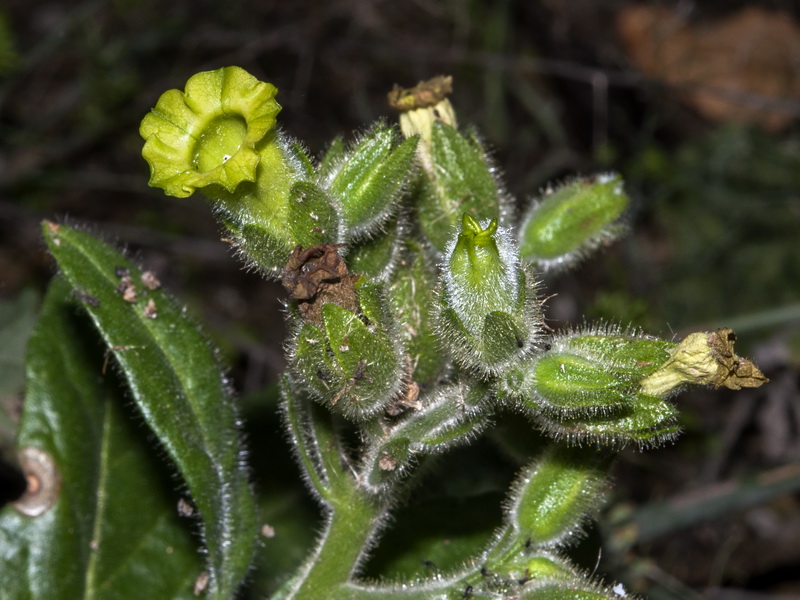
[
  {"x": 201, "y": 583},
  {"x": 387, "y": 463},
  {"x": 126, "y": 286},
  {"x": 53, "y": 227},
  {"x": 184, "y": 508},
  {"x": 743, "y": 68},
  {"x": 316, "y": 276},
  {"x": 733, "y": 372},
  {"x": 424, "y": 94}
]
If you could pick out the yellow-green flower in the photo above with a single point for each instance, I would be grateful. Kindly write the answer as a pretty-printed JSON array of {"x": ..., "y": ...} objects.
[{"x": 207, "y": 134}]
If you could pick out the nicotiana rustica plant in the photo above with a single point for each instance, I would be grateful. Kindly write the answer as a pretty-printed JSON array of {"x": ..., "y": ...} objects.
[{"x": 415, "y": 322}]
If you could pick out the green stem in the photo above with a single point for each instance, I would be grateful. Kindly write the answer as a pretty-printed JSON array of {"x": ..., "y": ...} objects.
[{"x": 353, "y": 521}]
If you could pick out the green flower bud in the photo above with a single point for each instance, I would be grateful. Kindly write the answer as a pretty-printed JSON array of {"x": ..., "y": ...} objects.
[
  {"x": 570, "y": 385},
  {"x": 591, "y": 373},
  {"x": 631, "y": 355},
  {"x": 478, "y": 279},
  {"x": 461, "y": 180},
  {"x": 553, "y": 498},
  {"x": 458, "y": 175},
  {"x": 350, "y": 362},
  {"x": 369, "y": 180},
  {"x": 571, "y": 221},
  {"x": 587, "y": 388},
  {"x": 490, "y": 314},
  {"x": 208, "y": 133},
  {"x": 420, "y": 107}
]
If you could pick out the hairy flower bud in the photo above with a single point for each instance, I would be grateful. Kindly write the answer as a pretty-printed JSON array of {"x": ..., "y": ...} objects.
[
  {"x": 490, "y": 313},
  {"x": 587, "y": 387},
  {"x": 553, "y": 497},
  {"x": 479, "y": 278},
  {"x": 350, "y": 360},
  {"x": 368, "y": 181},
  {"x": 420, "y": 107},
  {"x": 572, "y": 220}
]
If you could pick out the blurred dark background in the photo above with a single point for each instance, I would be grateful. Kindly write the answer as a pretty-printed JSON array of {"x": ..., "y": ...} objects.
[{"x": 695, "y": 103}]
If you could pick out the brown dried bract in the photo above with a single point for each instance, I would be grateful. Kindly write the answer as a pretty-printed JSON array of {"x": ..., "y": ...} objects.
[
  {"x": 734, "y": 372},
  {"x": 424, "y": 94},
  {"x": 408, "y": 398},
  {"x": 316, "y": 276}
]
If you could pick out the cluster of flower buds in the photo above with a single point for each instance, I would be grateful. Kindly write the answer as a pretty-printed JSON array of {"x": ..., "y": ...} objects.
[{"x": 413, "y": 311}]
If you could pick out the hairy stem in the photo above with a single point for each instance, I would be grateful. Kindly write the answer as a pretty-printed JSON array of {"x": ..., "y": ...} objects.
[{"x": 353, "y": 521}]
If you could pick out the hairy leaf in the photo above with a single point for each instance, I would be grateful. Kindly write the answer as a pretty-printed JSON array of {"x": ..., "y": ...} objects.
[
  {"x": 103, "y": 524},
  {"x": 176, "y": 382}
]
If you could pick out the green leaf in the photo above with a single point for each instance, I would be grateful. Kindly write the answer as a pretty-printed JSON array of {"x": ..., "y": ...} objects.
[
  {"x": 17, "y": 318},
  {"x": 176, "y": 382},
  {"x": 112, "y": 529}
]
